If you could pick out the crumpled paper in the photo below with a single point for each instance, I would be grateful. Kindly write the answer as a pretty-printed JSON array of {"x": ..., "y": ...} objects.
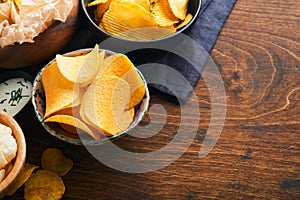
[{"x": 22, "y": 24}]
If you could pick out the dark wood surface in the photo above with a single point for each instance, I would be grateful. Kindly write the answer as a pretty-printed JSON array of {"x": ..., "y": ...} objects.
[{"x": 258, "y": 153}]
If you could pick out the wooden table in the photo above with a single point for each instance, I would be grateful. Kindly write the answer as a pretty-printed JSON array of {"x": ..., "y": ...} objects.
[{"x": 257, "y": 155}]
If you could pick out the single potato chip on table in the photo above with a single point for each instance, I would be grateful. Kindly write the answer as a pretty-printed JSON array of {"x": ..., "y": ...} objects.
[
  {"x": 24, "y": 175},
  {"x": 43, "y": 185},
  {"x": 54, "y": 160}
]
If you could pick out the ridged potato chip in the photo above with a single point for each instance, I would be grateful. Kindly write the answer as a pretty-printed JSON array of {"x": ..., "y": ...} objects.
[
  {"x": 100, "y": 10},
  {"x": 23, "y": 176},
  {"x": 187, "y": 19},
  {"x": 179, "y": 8},
  {"x": 140, "y": 20},
  {"x": 160, "y": 10},
  {"x": 115, "y": 21},
  {"x": 54, "y": 160},
  {"x": 43, "y": 185}
]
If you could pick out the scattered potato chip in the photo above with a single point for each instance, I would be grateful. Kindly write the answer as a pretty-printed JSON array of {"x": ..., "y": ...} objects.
[
  {"x": 44, "y": 184},
  {"x": 144, "y": 3},
  {"x": 59, "y": 92},
  {"x": 112, "y": 93},
  {"x": 187, "y": 19},
  {"x": 24, "y": 175},
  {"x": 54, "y": 160},
  {"x": 79, "y": 69},
  {"x": 73, "y": 121},
  {"x": 179, "y": 8}
]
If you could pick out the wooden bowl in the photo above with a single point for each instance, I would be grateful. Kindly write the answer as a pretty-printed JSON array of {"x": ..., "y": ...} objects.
[
  {"x": 19, "y": 160},
  {"x": 46, "y": 44}
]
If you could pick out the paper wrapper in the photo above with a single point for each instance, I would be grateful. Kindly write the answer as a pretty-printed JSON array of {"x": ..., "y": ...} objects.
[{"x": 22, "y": 24}]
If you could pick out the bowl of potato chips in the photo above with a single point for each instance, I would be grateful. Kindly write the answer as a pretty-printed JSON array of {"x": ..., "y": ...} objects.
[
  {"x": 90, "y": 96},
  {"x": 12, "y": 152},
  {"x": 26, "y": 27},
  {"x": 141, "y": 20}
]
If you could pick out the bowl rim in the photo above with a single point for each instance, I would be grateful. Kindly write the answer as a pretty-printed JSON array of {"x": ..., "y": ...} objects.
[
  {"x": 140, "y": 41},
  {"x": 21, "y": 150},
  {"x": 79, "y": 141}
]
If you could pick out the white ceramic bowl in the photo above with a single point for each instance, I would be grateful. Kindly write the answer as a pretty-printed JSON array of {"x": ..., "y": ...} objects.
[{"x": 38, "y": 101}]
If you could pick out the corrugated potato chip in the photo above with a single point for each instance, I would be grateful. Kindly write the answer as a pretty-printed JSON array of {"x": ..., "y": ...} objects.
[
  {"x": 43, "y": 185},
  {"x": 59, "y": 92},
  {"x": 123, "y": 16},
  {"x": 24, "y": 175},
  {"x": 160, "y": 10},
  {"x": 54, "y": 160},
  {"x": 148, "y": 33},
  {"x": 100, "y": 10},
  {"x": 73, "y": 121},
  {"x": 109, "y": 95},
  {"x": 144, "y": 3},
  {"x": 80, "y": 69},
  {"x": 179, "y": 8},
  {"x": 186, "y": 20}
]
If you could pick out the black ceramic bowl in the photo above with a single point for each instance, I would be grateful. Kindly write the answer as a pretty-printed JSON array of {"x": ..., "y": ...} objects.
[{"x": 194, "y": 9}]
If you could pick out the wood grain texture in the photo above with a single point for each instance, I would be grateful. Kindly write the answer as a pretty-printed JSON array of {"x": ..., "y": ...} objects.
[{"x": 258, "y": 153}]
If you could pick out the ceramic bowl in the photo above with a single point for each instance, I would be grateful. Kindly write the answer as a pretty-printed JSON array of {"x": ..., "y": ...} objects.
[
  {"x": 194, "y": 9},
  {"x": 39, "y": 105},
  {"x": 19, "y": 160},
  {"x": 45, "y": 45}
]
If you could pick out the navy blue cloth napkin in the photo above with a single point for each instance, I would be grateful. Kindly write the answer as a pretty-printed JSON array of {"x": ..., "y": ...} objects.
[{"x": 205, "y": 31}]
